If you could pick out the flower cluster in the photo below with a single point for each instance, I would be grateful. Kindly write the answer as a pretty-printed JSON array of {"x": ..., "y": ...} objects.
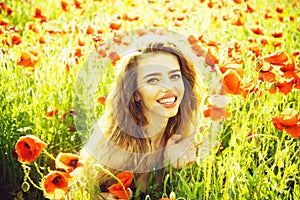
[
  {"x": 56, "y": 183},
  {"x": 289, "y": 120},
  {"x": 280, "y": 70}
]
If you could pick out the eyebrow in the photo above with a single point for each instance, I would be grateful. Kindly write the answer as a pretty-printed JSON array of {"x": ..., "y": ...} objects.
[{"x": 159, "y": 74}]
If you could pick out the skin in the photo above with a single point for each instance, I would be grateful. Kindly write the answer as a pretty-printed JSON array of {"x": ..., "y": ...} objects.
[{"x": 159, "y": 77}]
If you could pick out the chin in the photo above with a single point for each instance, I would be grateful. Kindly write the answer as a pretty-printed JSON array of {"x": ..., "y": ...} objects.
[{"x": 171, "y": 114}]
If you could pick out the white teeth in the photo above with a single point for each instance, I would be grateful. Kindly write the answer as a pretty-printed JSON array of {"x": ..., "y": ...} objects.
[{"x": 167, "y": 100}]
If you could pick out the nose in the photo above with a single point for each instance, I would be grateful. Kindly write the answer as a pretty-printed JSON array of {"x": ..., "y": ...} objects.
[{"x": 167, "y": 85}]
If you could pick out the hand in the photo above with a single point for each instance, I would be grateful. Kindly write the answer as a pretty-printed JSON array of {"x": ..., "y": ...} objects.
[
  {"x": 109, "y": 196},
  {"x": 180, "y": 152}
]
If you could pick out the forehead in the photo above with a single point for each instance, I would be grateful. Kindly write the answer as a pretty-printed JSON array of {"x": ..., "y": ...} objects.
[{"x": 157, "y": 62}]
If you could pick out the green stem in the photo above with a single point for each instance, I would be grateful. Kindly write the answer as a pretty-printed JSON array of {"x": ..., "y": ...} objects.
[
  {"x": 33, "y": 183},
  {"x": 27, "y": 177},
  {"x": 38, "y": 170},
  {"x": 48, "y": 154}
]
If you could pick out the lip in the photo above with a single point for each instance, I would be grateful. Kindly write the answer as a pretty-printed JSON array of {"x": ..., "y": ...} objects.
[{"x": 165, "y": 97}]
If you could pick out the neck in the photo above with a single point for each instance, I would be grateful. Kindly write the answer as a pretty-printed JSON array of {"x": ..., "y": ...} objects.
[{"x": 155, "y": 132}]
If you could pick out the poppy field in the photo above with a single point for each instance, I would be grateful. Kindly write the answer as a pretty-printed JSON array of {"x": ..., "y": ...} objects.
[{"x": 251, "y": 45}]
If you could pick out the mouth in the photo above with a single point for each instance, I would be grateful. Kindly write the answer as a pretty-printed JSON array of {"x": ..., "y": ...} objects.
[{"x": 167, "y": 101}]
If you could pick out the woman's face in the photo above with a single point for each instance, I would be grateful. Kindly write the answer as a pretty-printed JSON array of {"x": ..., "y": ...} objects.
[{"x": 160, "y": 85}]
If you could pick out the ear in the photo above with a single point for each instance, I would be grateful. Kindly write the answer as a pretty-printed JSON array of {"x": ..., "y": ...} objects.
[{"x": 137, "y": 97}]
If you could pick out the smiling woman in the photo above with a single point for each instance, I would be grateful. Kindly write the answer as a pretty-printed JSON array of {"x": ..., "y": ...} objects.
[{"x": 151, "y": 114}]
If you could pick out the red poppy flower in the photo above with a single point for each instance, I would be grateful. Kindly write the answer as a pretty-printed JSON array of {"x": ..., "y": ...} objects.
[
  {"x": 192, "y": 39},
  {"x": 2, "y": 30},
  {"x": 268, "y": 14},
  {"x": 249, "y": 8},
  {"x": 211, "y": 59},
  {"x": 80, "y": 41},
  {"x": 29, "y": 148},
  {"x": 101, "y": 52},
  {"x": 277, "y": 34},
  {"x": 4, "y": 22},
  {"x": 276, "y": 43},
  {"x": 255, "y": 50},
  {"x": 131, "y": 16},
  {"x": 289, "y": 75},
  {"x": 51, "y": 111},
  {"x": 77, "y": 53},
  {"x": 267, "y": 76},
  {"x": 237, "y": 21},
  {"x": 68, "y": 161},
  {"x": 118, "y": 190},
  {"x": 28, "y": 58},
  {"x": 117, "y": 38},
  {"x": 56, "y": 184},
  {"x": 251, "y": 135},
  {"x": 257, "y": 30},
  {"x": 296, "y": 53},
  {"x": 38, "y": 14},
  {"x": 198, "y": 50},
  {"x": 276, "y": 58},
  {"x": 114, "y": 57},
  {"x": 288, "y": 67},
  {"x": 233, "y": 66},
  {"x": 237, "y": 1},
  {"x": 250, "y": 87},
  {"x": 32, "y": 27},
  {"x": 90, "y": 30},
  {"x": 3, "y": 6},
  {"x": 277, "y": 124},
  {"x": 294, "y": 131},
  {"x": 264, "y": 41},
  {"x": 64, "y": 5},
  {"x": 101, "y": 100},
  {"x": 78, "y": 4},
  {"x": 279, "y": 9},
  {"x": 212, "y": 43},
  {"x": 42, "y": 40},
  {"x": 16, "y": 39},
  {"x": 232, "y": 82},
  {"x": 288, "y": 117},
  {"x": 115, "y": 24},
  {"x": 211, "y": 3},
  {"x": 283, "y": 87},
  {"x": 72, "y": 129},
  {"x": 251, "y": 39},
  {"x": 296, "y": 82}
]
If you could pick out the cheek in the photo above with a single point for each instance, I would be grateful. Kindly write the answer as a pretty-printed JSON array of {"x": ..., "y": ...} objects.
[
  {"x": 146, "y": 92},
  {"x": 180, "y": 87}
]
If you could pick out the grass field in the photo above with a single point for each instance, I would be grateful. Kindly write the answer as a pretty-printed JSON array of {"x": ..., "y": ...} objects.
[{"x": 44, "y": 44}]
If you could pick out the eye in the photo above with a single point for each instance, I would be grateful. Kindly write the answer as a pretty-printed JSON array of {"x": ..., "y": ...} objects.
[
  {"x": 175, "y": 76},
  {"x": 153, "y": 80}
]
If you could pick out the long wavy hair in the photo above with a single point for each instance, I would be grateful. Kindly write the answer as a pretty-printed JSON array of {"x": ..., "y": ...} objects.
[{"x": 123, "y": 122}]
